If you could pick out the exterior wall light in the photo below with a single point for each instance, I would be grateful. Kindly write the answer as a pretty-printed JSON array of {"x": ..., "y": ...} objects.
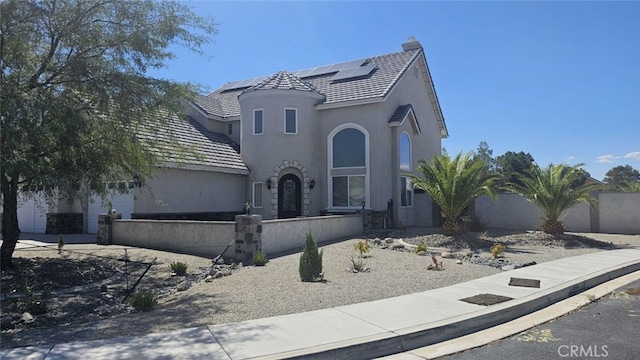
[
  {"x": 269, "y": 183},
  {"x": 312, "y": 184}
]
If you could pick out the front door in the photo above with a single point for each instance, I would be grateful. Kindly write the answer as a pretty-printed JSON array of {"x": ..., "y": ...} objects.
[{"x": 289, "y": 197}]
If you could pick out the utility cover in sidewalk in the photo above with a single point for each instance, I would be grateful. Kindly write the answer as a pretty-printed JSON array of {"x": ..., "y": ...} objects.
[
  {"x": 532, "y": 283},
  {"x": 486, "y": 299}
]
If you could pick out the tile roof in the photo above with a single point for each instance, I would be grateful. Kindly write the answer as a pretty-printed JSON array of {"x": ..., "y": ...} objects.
[
  {"x": 388, "y": 70},
  {"x": 283, "y": 80},
  {"x": 400, "y": 113},
  {"x": 185, "y": 141}
]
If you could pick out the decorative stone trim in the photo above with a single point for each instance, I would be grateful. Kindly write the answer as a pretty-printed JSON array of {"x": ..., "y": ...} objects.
[{"x": 290, "y": 164}]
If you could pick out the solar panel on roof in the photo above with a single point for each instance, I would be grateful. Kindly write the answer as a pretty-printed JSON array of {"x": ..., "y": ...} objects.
[
  {"x": 242, "y": 83},
  {"x": 353, "y": 73},
  {"x": 327, "y": 69}
]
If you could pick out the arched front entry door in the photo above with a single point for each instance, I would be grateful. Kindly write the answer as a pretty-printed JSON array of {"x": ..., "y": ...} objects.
[{"x": 289, "y": 197}]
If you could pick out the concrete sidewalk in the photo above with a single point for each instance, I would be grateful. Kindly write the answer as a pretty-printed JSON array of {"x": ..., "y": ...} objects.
[{"x": 365, "y": 330}]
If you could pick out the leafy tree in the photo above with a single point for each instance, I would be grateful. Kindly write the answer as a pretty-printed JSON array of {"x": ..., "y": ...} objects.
[
  {"x": 553, "y": 190},
  {"x": 485, "y": 154},
  {"x": 454, "y": 184},
  {"x": 75, "y": 94},
  {"x": 512, "y": 166},
  {"x": 621, "y": 176}
]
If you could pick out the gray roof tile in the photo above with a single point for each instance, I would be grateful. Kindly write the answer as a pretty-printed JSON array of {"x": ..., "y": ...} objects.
[
  {"x": 283, "y": 80},
  {"x": 389, "y": 69},
  {"x": 185, "y": 141}
]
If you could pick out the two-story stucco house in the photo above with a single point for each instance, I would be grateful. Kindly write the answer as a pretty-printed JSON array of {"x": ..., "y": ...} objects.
[{"x": 330, "y": 139}]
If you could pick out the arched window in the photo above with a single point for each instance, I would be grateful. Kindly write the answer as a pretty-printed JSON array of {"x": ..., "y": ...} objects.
[
  {"x": 348, "y": 168},
  {"x": 406, "y": 189},
  {"x": 405, "y": 152}
]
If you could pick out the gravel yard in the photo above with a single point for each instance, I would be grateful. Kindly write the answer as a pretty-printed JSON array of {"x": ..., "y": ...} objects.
[{"x": 275, "y": 289}]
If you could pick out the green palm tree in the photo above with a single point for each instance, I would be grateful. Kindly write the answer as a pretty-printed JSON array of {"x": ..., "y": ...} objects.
[
  {"x": 554, "y": 190},
  {"x": 453, "y": 184}
]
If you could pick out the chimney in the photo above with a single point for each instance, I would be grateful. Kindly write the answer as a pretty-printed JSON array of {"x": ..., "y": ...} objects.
[{"x": 411, "y": 44}]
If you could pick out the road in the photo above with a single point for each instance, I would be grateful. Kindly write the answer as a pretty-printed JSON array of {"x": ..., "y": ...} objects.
[{"x": 608, "y": 328}]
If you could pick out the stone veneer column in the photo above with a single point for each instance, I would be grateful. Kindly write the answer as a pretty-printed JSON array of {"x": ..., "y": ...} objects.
[
  {"x": 105, "y": 228},
  {"x": 248, "y": 237}
]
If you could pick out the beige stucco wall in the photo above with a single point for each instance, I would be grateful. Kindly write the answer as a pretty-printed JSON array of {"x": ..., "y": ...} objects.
[
  {"x": 512, "y": 211},
  {"x": 203, "y": 238},
  {"x": 179, "y": 190},
  {"x": 276, "y": 153},
  {"x": 290, "y": 234},
  {"x": 620, "y": 213}
]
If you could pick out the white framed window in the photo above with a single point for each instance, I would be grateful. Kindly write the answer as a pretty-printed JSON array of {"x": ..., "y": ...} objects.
[
  {"x": 348, "y": 168},
  {"x": 258, "y": 123},
  {"x": 405, "y": 152},
  {"x": 406, "y": 192},
  {"x": 257, "y": 195},
  {"x": 290, "y": 121}
]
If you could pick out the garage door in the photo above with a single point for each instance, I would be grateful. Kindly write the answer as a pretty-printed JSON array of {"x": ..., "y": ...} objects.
[
  {"x": 122, "y": 203},
  {"x": 32, "y": 214}
]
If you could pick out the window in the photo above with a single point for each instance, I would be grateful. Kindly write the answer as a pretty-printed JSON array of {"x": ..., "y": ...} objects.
[
  {"x": 349, "y": 149},
  {"x": 257, "y": 195},
  {"x": 348, "y": 169},
  {"x": 290, "y": 121},
  {"x": 406, "y": 192},
  {"x": 257, "y": 122},
  {"x": 229, "y": 129},
  {"x": 348, "y": 191},
  {"x": 405, "y": 152}
]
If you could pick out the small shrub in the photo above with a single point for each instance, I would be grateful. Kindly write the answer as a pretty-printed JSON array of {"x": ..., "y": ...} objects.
[
  {"x": 143, "y": 300},
  {"x": 60, "y": 243},
  {"x": 362, "y": 247},
  {"x": 497, "y": 249},
  {"x": 421, "y": 247},
  {"x": 179, "y": 268},
  {"x": 34, "y": 304},
  {"x": 357, "y": 264},
  {"x": 477, "y": 224},
  {"x": 260, "y": 259},
  {"x": 310, "y": 261}
]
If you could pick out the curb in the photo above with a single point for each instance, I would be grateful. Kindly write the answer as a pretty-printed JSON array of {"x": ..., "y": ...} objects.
[{"x": 416, "y": 337}]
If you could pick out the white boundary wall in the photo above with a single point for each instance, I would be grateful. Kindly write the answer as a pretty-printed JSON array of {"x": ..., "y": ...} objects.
[
  {"x": 210, "y": 238},
  {"x": 620, "y": 213},
  {"x": 290, "y": 234}
]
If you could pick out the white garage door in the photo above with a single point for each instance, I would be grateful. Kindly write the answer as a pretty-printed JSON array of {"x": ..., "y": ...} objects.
[
  {"x": 121, "y": 203},
  {"x": 32, "y": 214}
]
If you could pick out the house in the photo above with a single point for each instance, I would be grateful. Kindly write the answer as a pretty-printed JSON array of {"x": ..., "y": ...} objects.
[{"x": 326, "y": 140}]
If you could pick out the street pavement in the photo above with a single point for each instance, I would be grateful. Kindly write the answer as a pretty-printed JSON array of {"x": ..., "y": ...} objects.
[{"x": 606, "y": 328}]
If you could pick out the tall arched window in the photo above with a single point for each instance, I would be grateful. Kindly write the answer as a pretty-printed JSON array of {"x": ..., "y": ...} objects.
[
  {"x": 406, "y": 189},
  {"x": 348, "y": 168}
]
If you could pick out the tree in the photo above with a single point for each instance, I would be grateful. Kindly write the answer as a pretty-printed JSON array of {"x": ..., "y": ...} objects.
[
  {"x": 554, "y": 190},
  {"x": 485, "y": 154},
  {"x": 310, "y": 267},
  {"x": 511, "y": 166},
  {"x": 454, "y": 184},
  {"x": 621, "y": 176},
  {"x": 75, "y": 94}
]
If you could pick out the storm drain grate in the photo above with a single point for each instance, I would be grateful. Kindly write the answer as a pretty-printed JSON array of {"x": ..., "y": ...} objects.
[
  {"x": 532, "y": 283},
  {"x": 486, "y": 299}
]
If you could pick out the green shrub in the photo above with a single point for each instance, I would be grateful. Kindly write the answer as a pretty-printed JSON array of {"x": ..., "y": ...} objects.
[
  {"x": 260, "y": 259},
  {"x": 143, "y": 300},
  {"x": 477, "y": 224},
  {"x": 310, "y": 261},
  {"x": 421, "y": 247},
  {"x": 357, "y": 264},
  {"x": 34, "y": 304},
  {"x": 497, "y": 249},
  {"x": 362, "y": 246},
  {"x": 179, "y": 268},
  {"x": 60, "y": 243}
]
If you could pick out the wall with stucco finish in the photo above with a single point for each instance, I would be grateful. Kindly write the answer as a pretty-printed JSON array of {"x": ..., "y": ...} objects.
[
  {"x": 620, "y": 213},
  {"x": 203, "y": 238},
  {"x": 179, "y": 190}
]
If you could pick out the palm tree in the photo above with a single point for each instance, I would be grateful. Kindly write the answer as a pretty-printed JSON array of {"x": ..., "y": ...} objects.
[
  {"x": 554, "y": 190},
  {"x": 453, "y": 184}
]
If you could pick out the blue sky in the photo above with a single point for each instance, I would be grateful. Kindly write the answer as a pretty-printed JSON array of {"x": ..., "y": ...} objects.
[{"x": 559, "y": 80}]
